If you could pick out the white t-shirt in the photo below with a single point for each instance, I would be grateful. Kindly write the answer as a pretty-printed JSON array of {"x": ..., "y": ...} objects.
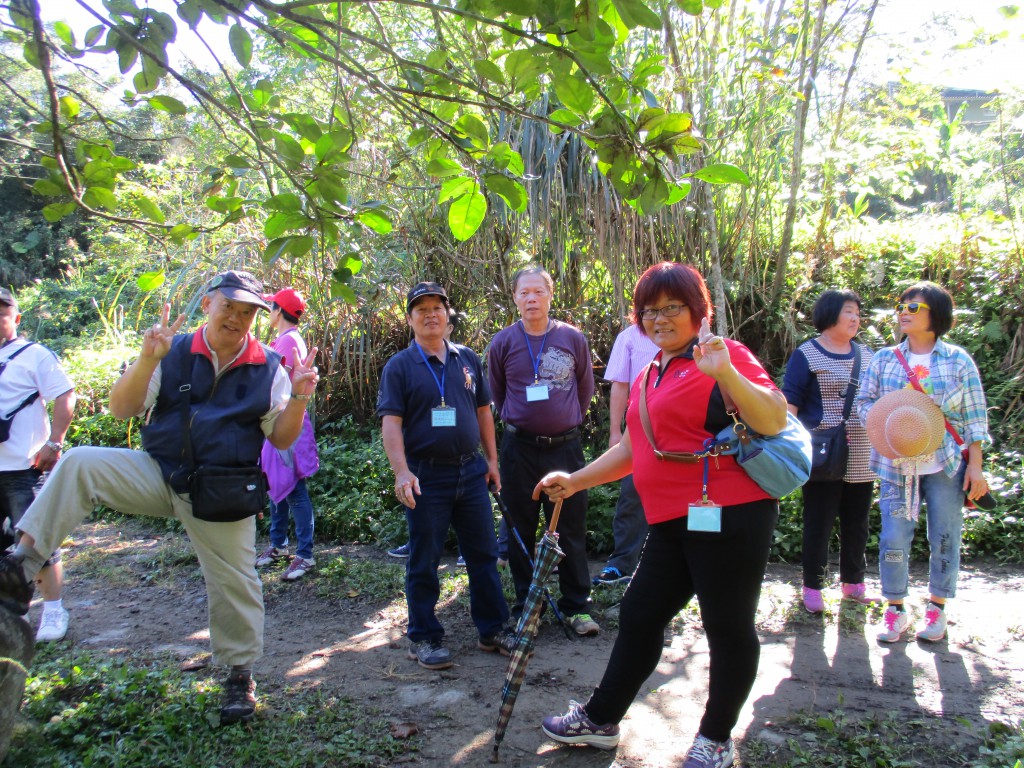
[{"x": 34, "y": 370}]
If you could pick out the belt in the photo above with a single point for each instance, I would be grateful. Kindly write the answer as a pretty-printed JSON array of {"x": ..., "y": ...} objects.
[
  {"x": 442, "y": 461},
  {"x": 529, "y": 437}
]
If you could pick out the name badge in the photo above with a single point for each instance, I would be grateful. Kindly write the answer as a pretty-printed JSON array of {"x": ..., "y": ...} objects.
[
  {"x": 704, "y": 516},
  {"x": 536, "y": 392},
  {"x": 442, "y": 416}
]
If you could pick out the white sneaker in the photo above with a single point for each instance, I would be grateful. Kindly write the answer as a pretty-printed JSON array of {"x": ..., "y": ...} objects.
[
  {"x": 896, "y": 623},
  {"x": 298, "y": 568},
  {"x": 52, "y": 626},
  {"x": 934, "y": 625}
]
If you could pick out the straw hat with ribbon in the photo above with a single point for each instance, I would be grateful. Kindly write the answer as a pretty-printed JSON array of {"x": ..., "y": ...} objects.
[{"x": 907, "y": 427}]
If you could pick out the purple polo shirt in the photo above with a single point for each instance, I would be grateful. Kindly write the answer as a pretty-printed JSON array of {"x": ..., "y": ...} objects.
[{"x": 565, "y": 366}]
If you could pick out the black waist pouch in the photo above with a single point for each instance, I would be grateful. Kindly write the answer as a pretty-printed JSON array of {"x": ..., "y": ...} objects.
[{"x": 227, "y": 494}]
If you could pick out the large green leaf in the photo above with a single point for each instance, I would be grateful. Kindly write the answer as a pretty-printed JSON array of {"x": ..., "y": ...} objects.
[
  {"x": 473, "y": 128},
  {"x": 510, "y": 190},
  {"x": 57, "y": 211},
  {"x": 523, "y": 67},
  {"x": 467, "y": 213},
  {"x": 48, "y": 188},
  {"x": 576, "y": 94},
  {"x": 635, "y": 14},
  {"x": 295, "y": 246},
  {"x": 722, "y": 173},
  {"x": 332, "y": 144},
  {"x": 287, "y": 202},
  {"x": 456, "y": 186},
  {"x": 280, "y": 223},
  {"x": 168, "y": 104},
  {"x": 289, "y": 149},
  {"x": 506, "y": 158},
  {"x": 443, "y": 167},
  {"x": 692, "y": 7},
  {"x": 69, "y": 108},
  {"x": 376, "y": 220},
  {"x": 241, "y": 44},
  {"x": 100, "y": 197},
  {"x": 65, "y": 33},
  {"x": 488, "y": 70},
  {"x": 150, "y": 210},
  {"x": 150, "y": 281}
]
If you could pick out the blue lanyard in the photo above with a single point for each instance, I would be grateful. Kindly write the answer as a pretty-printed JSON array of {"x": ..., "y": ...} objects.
[
  {"x": 439, "y": 382},
  {"x": 535, "y": 360}
]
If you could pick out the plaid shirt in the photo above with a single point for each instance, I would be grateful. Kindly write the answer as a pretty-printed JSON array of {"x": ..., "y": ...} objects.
[{"x": 957, "y": 391}]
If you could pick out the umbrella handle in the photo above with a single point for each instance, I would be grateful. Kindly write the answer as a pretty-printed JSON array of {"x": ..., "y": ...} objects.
[{"x": 554, "y": 516}]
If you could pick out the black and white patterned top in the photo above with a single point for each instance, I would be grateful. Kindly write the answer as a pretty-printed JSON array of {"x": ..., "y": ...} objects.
[{"x": 815, "y": 382}]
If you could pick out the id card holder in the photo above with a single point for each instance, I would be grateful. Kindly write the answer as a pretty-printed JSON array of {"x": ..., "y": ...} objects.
[
  {"x": 536, "y": 392},
  {"x": 704, "y": 516},
  {"x": 442, "y": 416}
]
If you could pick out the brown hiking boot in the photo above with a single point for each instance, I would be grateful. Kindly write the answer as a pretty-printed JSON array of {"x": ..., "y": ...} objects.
[{"x": 239, "y": 699}]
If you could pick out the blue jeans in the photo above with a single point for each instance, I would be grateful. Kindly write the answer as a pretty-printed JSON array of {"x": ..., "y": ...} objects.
[
  {"x": 18, "y": 489},
  {"x": 453, "y": 496},
  {"x": 944, "y": 505},
  {"x": 629, "y": 529},
  {"x": 297, "y": 502}
]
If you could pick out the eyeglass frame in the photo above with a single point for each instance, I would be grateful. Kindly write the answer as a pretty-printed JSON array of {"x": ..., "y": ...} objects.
[
  {"x": 644, "y": 313},
  {"x": 900, "y": 306}
]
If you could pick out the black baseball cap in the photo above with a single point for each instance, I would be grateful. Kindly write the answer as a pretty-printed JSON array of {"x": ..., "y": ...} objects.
[
  {"x": 425, "y": 289},
  {"x": 239, "y": 286},
  {"x": 6, "y": 297}
]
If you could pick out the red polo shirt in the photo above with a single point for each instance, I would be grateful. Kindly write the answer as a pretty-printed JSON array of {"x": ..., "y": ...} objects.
[{"x": 686, "y": 408}]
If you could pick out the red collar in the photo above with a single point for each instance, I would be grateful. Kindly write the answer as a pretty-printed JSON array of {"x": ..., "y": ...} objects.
[{"x": 252, "y": 354}]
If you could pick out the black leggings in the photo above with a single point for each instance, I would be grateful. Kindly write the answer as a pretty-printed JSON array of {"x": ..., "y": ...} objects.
[
  {"x": 724, "y": 570},
  {"x": 823, "y": 502}
]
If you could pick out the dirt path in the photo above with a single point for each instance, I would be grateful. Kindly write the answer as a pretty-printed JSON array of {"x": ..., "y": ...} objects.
[{"x": 358, "y": 650}]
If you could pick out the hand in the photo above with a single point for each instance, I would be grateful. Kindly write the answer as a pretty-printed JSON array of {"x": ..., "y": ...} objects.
[
  {"x": 557, "y": 485},
  {"x": 975, "y": 484},
  {"x": 156, "y": 341},
  {"x": 493, "y": 476},
  {"x": 45, "y": 460},
  {"x": 407, "y": 486},
  {"x": 711, "y": 353},
  {"x": 305, "y": 375},
  {"x": 614, "y": 438}
]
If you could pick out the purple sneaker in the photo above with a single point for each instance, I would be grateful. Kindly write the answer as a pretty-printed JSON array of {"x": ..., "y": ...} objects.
[
  {"x": 813, "y": 601},
  {"x": 574, "y": 727},
  {"x": 706, "y": 753},
  {"x": 859, "y": 594}
]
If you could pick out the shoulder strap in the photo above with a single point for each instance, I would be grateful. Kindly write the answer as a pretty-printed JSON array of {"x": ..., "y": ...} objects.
[
  {"x": 916, "y": 384},
  {"x": 645, "y": 418},
  {"x": 28, "y": 400},
  {"x": 851, "y": 386},
  {"x": 3, "y": 363}
]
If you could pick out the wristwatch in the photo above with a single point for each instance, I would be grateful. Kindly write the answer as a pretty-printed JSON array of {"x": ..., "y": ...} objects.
[{"x": 55, "y": 447}]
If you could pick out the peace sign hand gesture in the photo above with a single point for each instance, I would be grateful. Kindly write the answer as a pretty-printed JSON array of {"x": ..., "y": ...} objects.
[
  {"x": 305, "y": 375},
  {"x": 156, "y": 341}
]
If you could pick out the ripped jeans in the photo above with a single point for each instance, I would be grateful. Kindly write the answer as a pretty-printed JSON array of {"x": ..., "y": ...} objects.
[{"x": 943, "y": 498}]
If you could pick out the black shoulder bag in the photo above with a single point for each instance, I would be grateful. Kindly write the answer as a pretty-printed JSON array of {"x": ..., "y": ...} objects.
[
  {"x": 6, "y": 421},
  {"x": 831, "y": 447},
  {"x": 219, "y": 494}
]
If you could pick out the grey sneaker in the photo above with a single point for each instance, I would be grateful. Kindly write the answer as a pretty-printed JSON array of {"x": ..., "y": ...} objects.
[
  {"x": 896, "y": 623},
  {"x": 574, "y": 727},
  {"x": 401, "y": 551},
  {"x": 15, "y": 590},
  {"x": 583, "y": 625},
  {"x": 430, "y": 654},
  {"x": 610, "y": 575},
  {"x": 239, "y": 699},
  {"x": 706, "y": 753},
  {"x": 269, "y": 555}
]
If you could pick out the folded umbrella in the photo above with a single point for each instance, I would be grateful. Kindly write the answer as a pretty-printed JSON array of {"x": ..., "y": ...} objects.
[{"x": 548, "y": 555}]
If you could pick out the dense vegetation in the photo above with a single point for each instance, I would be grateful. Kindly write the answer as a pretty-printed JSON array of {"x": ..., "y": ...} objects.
[{"x": 350, "y": 150}]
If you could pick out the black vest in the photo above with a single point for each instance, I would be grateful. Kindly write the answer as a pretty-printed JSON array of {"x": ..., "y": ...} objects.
[{"x": 224, "y": 413}]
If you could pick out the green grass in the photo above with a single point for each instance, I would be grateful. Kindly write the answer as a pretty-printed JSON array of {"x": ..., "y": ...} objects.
[
  {"x": 97, "y": 709},
  {"x": 831, "y": 740}
]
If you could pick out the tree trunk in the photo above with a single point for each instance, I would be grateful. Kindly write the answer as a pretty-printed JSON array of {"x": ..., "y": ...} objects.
[{"x": 808, "y": 73}]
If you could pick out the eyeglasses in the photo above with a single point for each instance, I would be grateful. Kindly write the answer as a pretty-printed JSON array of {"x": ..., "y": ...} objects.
[
  {"x": 912, "y": 307},
  {"x": 669, "y": 310}
]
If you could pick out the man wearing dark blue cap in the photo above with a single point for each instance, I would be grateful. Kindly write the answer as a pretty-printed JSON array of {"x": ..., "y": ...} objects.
[
  {"x": 436, "y": 412},
  {"x": 219, "y": 395}
]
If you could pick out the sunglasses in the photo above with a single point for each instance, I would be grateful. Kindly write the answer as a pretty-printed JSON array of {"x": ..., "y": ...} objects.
[{"x": 912, "y": 307}]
